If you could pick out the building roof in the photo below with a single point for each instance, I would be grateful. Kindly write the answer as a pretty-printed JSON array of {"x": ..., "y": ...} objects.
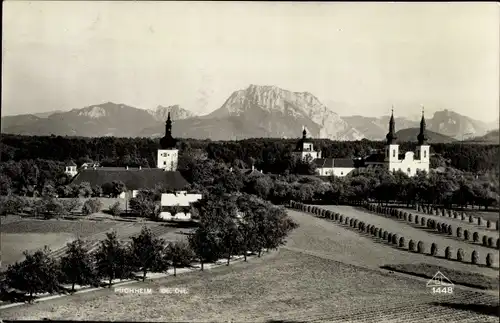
[
  {"x": 323, "y": 162},
  {"x": 70, "y": 163},
  {"x": 375, "y": 158},
  {"x": 133, "y": 178},
  {"x": 334, "y": 162},
  {"x": 343, "y": 162}
]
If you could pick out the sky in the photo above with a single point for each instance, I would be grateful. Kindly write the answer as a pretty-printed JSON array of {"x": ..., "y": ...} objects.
[{"x": 358, "y": 58}]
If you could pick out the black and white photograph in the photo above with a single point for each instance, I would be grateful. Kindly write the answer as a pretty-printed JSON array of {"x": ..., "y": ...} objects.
[{"x": 247, "y": 161}]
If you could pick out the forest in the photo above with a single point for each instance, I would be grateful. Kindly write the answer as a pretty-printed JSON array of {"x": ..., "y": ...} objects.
[{"x": 267, "y": 154}]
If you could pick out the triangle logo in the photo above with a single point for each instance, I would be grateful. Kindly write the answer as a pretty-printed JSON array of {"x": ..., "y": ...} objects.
[{"x": 439, "y": 280}]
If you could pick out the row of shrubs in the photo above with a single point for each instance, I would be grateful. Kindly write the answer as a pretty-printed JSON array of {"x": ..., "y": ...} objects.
[
  {"x": 392, "y": 238},
  {"x": 454, "y": 214},
  {"x": 434, "y": 225}
]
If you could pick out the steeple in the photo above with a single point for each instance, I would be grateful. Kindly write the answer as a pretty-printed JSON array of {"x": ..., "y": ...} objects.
[
  {"x": 168, "y": 142},
  {"x": 422, "y": 137},
  {"x": 391, "y": 135},
  {"x": 304, "y": 133}
]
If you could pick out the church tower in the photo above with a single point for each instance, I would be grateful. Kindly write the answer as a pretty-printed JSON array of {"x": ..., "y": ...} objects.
[
  {"x": 305, "y": 149},
  {"x": 168, "y": 154},
  {"x": 391, "y": 148},
  {"x": 423, "y": 149}
]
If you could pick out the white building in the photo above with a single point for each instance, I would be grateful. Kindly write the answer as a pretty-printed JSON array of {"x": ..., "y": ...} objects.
[
  {"x": 408, "y": 162},
  {"x": 164, "y": 175},
  {"x": 391, "y": 158},
  {"x": 181, "y": 199},
  {"x": 70, "y": 169},
  {"x": 324, "y": 166}
]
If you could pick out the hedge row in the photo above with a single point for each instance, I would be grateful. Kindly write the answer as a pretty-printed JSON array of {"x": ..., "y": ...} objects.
[
  {"x": 434, "y": 225},
  {"x": 393, "y": 238},
  {"x": 454, "y": 214}
]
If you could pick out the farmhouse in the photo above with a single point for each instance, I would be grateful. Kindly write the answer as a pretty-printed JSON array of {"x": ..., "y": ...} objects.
[
  {"x": 164, "y": 175},
  {"x": 391, "y": 159}
]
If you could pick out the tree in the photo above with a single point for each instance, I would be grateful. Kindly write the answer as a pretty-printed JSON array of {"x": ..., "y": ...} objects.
[
  {"x": 91, "y": 206},
  {"x": 146, "y": 252},
  {"x": 178, "y": 254},
  {"x": 111, "y": 259},
  {"x": 144, "y": 205},
  {"x": 205, "y": 244},
  {"x": 77, "y": 265},
  {"x": 37, "y": 273},
  {"x": 71, "y": 204},
  {"x": 115, "y": 209},
  {"x": 230, "y": 237},
  {"x": 118, "y": 187},
  {"x": 84, "y": 189}
]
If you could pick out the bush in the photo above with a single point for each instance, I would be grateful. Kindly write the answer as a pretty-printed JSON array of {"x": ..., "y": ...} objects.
[
  {"x": 485, "y": 240},
  {"x": 405, "y": 216},
  {"x": 450, "y": 230},
  {"x": 384, "y": 235},
  {"x": 380, "y": 233},
  {"x": 459, "y": 232},
  {"x": 420, "y": 247},
  {"x": 488, "y": 224},
  {"x": 115, "y": 209},
  {"x": 423, "y": 222},
  {"x": 402, "y": 242},
  {"x": 376, "y": 232},
  {"x": 460, "y": 254},
  {"x": 411, "y": 245},
  {"x": 475, "y": 237},
  {"x": 466, "y": 235},
  {"x": 474, "y": 257},
  {"x": 410, "y": 217},
  {"x": 434, "y": 249},
  {"x": 471, "y": 219},
  {"x": 438, "y": 227},
  {"x": 489, "y": 260},
  {"x": 498, "y": 243},
  {"x": 416, "y": 219},
  {"x": 463, "y": 216},
  {"x": 490, "y": 242},
  {"x": 497, "y": 225},
  {"x": 346, "y": 220},
  {"x": 395, "y": 239},
  {"x": 447, "y": 253},
  {"x": 479, "y": 221},
  {"x": 389, "y": 238},
  {"x": 91, "y": 206},
  {"x": 341, "y": 218}
]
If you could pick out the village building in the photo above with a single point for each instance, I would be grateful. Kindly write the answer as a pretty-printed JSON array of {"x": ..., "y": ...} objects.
[
  {"x": 165, "y": 175},
  {"x": 390, "y": 158}
]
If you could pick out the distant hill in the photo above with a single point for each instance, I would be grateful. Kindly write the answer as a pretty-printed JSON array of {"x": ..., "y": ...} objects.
[
  {"x": 410, "y": 135},
  {"x": 491, "y": 138},
  {"x": 376, "y": 128}
]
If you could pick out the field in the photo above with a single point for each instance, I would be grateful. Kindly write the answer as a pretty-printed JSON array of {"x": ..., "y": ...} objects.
[
  {"x": 326, "y": 272},
  {"x": 30, "y": 234}
]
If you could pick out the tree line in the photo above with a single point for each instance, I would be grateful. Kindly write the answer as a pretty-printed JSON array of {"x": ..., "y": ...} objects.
[
  {"x": 237, "y": 224},
  {"x": 269, "y": 154}
]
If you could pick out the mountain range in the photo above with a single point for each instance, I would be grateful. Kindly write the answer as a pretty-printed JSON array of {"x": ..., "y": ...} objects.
[{"x": 257, "y": 111}]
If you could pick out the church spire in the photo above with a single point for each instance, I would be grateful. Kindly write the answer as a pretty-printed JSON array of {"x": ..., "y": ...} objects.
[
  {"x": 422, "y": 137},
  {"x": 391, "y": 135},
  {"x": 168, "y": 142},
  {"x": 304, "y": 133}
]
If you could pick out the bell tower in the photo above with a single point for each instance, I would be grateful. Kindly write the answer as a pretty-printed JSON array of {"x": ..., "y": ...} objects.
[
  {"x": 168, "y": 154},
  {"x": 423, "y": 149},
  {"x": 391, "y": 147}
]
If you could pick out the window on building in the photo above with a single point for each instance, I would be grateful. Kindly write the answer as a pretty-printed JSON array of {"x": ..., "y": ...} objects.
[
  {"x": 164, "y": 163},
  {"x": 394, "y": 153},
  {"x": 409, "y": 170},
  {"x": 425, "y": 154},
  {"x": 341, "y": 173}
]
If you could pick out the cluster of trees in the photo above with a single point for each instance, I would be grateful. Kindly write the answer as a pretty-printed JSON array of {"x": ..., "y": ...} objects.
[
  {"x": 230, "y": 225},
  {"x": 269, "y": 154},
  {"x": 394, "y": 238}
]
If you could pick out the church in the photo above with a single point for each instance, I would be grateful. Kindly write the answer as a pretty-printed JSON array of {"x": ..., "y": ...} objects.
[
  {"x": 391, "y": 158},
  {"x": 165, "y": 175}
]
